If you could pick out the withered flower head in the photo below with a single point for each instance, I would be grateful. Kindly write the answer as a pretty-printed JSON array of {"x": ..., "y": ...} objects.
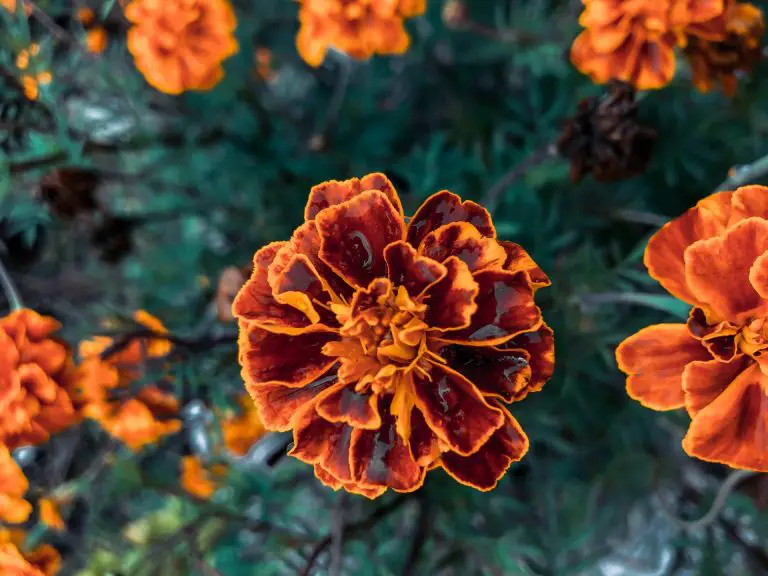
[
  {"x": 718, "y": 62},
  {"x": 605, "y": 139},
  {"x": 70, "y": 192},
  {"x": 634, "y": 40},
  {"x": 179, "y": 45},
  {"x": 113, "y": 237},
  {"x": 715, "y": 257},
  {"x": 359, "y": 28},
  {"x": 389, "y": 348},
  {"x": 34, "y": 370}
]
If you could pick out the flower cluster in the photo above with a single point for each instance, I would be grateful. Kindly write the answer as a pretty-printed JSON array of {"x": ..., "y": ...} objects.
[
  {"x": 634, "y": 40},
  {"x": 179, "y": 45},
  {"x": 715, "y": 257},
  {"x": 359, "y": 28},
  {"x": 389, "y": 348},
  {"x": 96, "y": 37},
  {"x": 32, "y": 76}
]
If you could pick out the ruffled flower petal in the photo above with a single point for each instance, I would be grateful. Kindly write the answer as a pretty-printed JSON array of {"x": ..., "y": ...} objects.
[
  {"x": 704, "y": 381},
  {"x": 328, "y": 480},
  {"x": 464, "y": 241},
  {"x": 654, "y": 359},
  {"x": 499, "y": 373},
  {"x": 278, "y": 404},
  {"x": 748, "y": 202},
  {"x": 406, "y": 268},
  {"x": 451, "y": 300},
  {"x": 334, "y": 192},
  {"x": 344, "y": 404},
  {"x": 519, "y": 260},
  {"x": 443, "y": 208}
]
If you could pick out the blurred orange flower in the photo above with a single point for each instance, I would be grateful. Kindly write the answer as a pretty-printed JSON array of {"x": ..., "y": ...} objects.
[
  {"x": 634, "y": 40},
  {"x": 717, "y": 62},
  {"x": 34, "y": 370},
  {"x": 242, "y": 430},
  {"x": 359, "y": 28},
  {"x": 101, "y": 385},
  {"x": 96, "y": 40},
  {"x": 198, "y": 480},
  {"x": 179, "y": 45},
  {"x": 13, "y": 485},
  {"x": 43, "y": 560},
  {"x": 50, "y": 515},
  {"x": 10, "y": 5},
  {"x": 714, "y": 257},
  {"x": 388, "y": 348}
]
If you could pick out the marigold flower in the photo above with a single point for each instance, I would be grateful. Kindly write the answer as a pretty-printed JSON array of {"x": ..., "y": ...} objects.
[
  {"x": 388, "y": 348},
  {"x": 96, "y": 40},
  {"x": 634, "y": 40},
  {"x": 44, "y": 560},
  {"x": 35, "y": 369},
  {"x": 179, "y": 45},
  {"x": 13, "y": 485},
  {"x": 241, "y": 431},
  {"x": 359, "y": 28},
  {"x": 198, "y": 480},
  {"x": 715, "y": 257},
  {"x": 139, "y": 420},
  {"x": 50, "y": 515},
  {"x": 717, "y": 62}
]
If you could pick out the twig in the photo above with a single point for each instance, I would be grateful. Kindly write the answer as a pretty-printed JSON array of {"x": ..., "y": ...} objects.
[
  {"x": 640, "y": 217},
  {"x": 351, "y": 530},
  {"x": 204, "y": 342},
  {"x": 637, "y": 298},
  {"x": 346, "y": 66},
  {"x": 11, "y": 294},
  {"x": 337, "y": 536},
  {"x": 741, "y": 175},
  {"x": 729, "y": 484},
  {"x": 491, "y": 198}
]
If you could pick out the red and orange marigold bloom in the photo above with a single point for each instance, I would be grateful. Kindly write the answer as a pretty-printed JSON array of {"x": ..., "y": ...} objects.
[
  {"x": 359, "y": 28},
  {"x": 389, "y": 347},
  {"x": 13, "y": 485},
  {"x": 44, "y": 560},
  {"x": 101, "y": 388},
  {"x": 714, "y": 257},
  {"x": 634, "y": 40},
  {"x": 199, "y": 480},
  {"x": 35, "y": 368},
  {"x": 179, "y": 45}
]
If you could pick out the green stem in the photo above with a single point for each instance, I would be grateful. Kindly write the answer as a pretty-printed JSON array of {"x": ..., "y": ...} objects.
[{"x": 11, "y": 294}]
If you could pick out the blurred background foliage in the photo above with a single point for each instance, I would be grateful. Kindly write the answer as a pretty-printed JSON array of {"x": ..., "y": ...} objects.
[{"x": 197, "y": 183}]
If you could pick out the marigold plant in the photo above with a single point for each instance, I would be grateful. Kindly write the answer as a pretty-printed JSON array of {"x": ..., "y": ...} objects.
[
  {"x": 715, "y": 257},
  {"x": 389, "y": 348},
  {"x": 634, "y": 40},
  {"x": 35, "y": 370},
  {"x": 179, "y": 45},
  {"x": 359, "y": 28}
]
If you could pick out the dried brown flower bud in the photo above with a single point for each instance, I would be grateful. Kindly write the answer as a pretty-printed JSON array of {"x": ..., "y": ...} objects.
[
  {"x": 604, "y": 137},
  {"x": 70, "y": 192},
  {"x": 114, "y": 238}
]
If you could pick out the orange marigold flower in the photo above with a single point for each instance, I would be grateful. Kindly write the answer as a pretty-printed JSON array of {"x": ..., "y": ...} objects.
[
  {"x": 100, "y": 383},
  {"x": 198, "y": 480},
  {"x": 388, "y": 348},
  {"x": 85, "y": 16},
  {"x": 634, "y": 40},
  {"x": 359, "y": 28},
  {"x": 41, "y": 561},
  {"x": 13, "y": 485},
  {"x": 718, "y": 62},
  {"x": 179, "y": 45},
  {"x": 715, "y": 257},
  {"x": 34, "y": 370},
  {"x": 50, "y": 514},
  {"x": 96, "y": 40},
  {"x": 242, "y": 430}
]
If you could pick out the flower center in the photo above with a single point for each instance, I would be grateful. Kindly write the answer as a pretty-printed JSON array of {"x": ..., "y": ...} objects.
[{"x": 753, "y": 337}]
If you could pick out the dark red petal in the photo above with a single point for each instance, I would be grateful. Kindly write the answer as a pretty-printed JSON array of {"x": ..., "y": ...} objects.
[
  {"x": 354, "y": 234},
  {"x": 278, "y": 404},
  {"x": 519, "y": 260},
  {"x": 451, "y": 300},
  {"x": 335, "y": 192},
  {"x": 327, "y": 478},
  {"x": 455, "y": 410},
  {"x": 484, "y": 468},
  {"x": 540, "y": 346},
  {"x": 299, "y": 285},
  {"x": 343, "y": 404},
  {"x": 500, "y": 373},
  {"x": 464, "y": 241},
  {"x": 291, "y": 360},
  {"x": 443, "y": 208},
  {"x": 406, "y": 268},
  {"x": 505, "y": 308},
  {"x": 317, "y": 441},
  {"x": 718, "y": 338},
  {"x": 255, "y": 303},
  {"x": 380, "y": 458},
  {"x": 425, "y": 445}
]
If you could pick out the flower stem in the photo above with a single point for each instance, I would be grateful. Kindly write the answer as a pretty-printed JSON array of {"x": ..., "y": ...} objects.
[
  {"x": 11, "y": 294},
  {"x": 741, "y": 175},
  {"x": 535, "y": 158}
]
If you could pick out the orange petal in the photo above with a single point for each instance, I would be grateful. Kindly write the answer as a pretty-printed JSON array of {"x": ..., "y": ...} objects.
[
  {"x": 455, "y": 409},
  {"x": 717, "y": 271},
  {"x": 344, "y": 404},
  {"x": 318, "y": 441},
  {"x": 354, "y": 234},
  {"x": 50, "y": 515},
  {"x": 540, "y": 346},
  {"x": 464, "y": 241},
  {"x": 654, "y": 359},
  {"x": 299, "y": 285},
  {"x": 733, "y": 429},
  {"x": 749, "y": 201},
  {"x": 484, "y": 468},
  {"x": 406, "y": 268},
  {"x": 664, "y": 253},
  {"x": 451, "y": 300},
  {"x": 327, "y": 479},
  {"x": 278, "y": 405},
  {"x": 505, "y": 308},
  {"x": 443, "y": 208},
  {"x": 704, "y": 381},
  {"x": 519, "y": 260},
  {"x": 45, "y": 559},
  {"x": 335, "y": 192},
  {"x": 196, "y": 479},
  {"x": 283, "y": 359}
]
